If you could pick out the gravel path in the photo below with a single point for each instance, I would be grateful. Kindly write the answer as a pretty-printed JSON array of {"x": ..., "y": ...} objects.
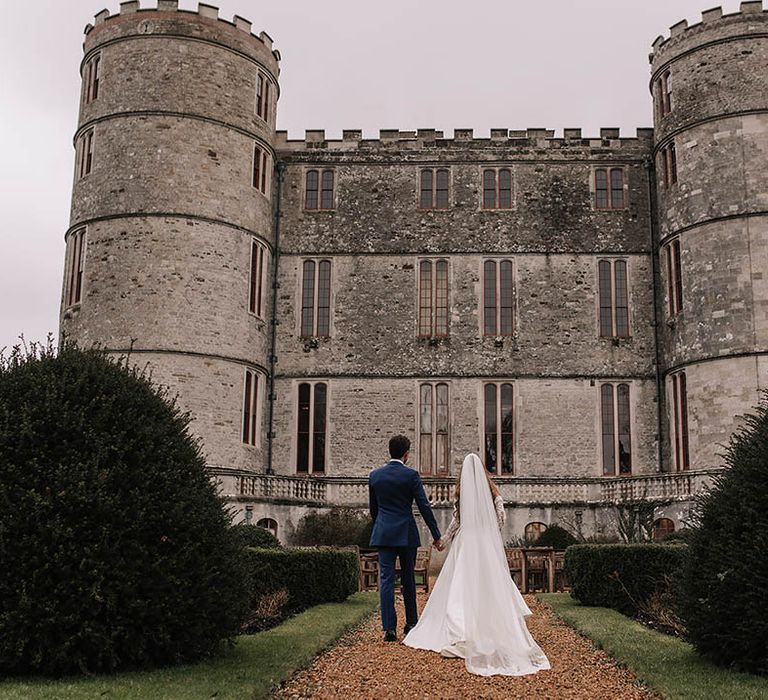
[{"x": 361, "y": 665}]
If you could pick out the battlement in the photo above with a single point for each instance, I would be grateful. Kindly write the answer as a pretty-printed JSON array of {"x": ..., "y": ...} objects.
[
  {"x": 204, "y": 11},
  {"x": 709, "y": 19},
  {"x": 352, "y": 139}
]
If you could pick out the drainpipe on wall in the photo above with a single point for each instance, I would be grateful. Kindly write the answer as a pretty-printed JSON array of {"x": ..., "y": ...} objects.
[
  {"x": 273, "y": 345},
  {"x": 656, "y": 274}
]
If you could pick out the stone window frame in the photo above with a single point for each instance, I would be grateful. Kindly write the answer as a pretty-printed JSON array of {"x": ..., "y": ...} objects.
[
  {"x": 668, "y": 164},
  {"x": 268, "y": 524},
  {"x": 302, "y": 295},
  {"x": 497, "y": 168},
  {"x": 432, "y": 385},
  {"x": 262, "y": 103},
  {"x": 311, "y": 425},
  {"x": 251, "y": 417},
  {"x": 613, "y": 412},
  {"x": 92, "y": 78},
  {"x": 321, "y": 204},
  {"x": 673, "y": 267},
  {"x": 434, "y": 171},
  {"x": 664, "y": 84},
  {"x": 84, "y": 156},
  {"x": 613, "y": 293},
  {"x": 258, "y": 272},
  {"x": 679, "y": 421},
  {"x": 435, "y": 331},
  {"x": 610, "y": 203},
  {"x": 498, "y": 261},
  {"x": 499, "y": 468},
  {"x": 77, "y": 245},
  {"x": 532, "y": 528},
  {"x": 260, "y": 169},
  {"x": 661, "y": 528}
]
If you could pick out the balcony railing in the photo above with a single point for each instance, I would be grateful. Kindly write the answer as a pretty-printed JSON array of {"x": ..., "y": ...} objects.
[{"x": 353, "y": 491}]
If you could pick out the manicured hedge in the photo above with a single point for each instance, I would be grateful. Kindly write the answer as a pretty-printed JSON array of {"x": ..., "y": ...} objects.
[
  {"x": 254, "y": 536},
  {"x": 311, "y": 576},
  {"x": 621, "y": 576}
]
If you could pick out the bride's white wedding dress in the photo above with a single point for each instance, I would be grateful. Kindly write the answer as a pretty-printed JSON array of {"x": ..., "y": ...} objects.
[{"x": 475, "y": 610}]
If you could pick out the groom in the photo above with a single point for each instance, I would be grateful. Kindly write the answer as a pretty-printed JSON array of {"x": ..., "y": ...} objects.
[{"x": 391, "y": 491}]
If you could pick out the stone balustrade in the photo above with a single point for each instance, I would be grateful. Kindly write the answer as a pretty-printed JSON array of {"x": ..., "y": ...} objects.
[{"x": 324, "y": 491}]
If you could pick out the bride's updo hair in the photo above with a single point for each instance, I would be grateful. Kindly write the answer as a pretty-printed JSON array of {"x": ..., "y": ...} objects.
[{"x": 491, "y": 485}]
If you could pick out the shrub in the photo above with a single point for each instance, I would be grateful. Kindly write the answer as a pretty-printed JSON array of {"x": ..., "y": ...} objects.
[
  {"x": 267, "y": 611},
  {"x": 336, "y": 527},
  {"x": 620, "y": 576},
  {"x": 678, "y": 536},
  {"x": 254, "y": 536},
  {"x": 116, "y": 551},
  {"x": 725, "y": 582},
  {"x": 310, "y": 576},
  {"x": 556, "y": 537}
]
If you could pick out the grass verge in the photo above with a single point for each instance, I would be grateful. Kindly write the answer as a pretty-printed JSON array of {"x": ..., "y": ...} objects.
[
  {"x": 664, "y": 663},
  {"x": 251, "y": 670}
]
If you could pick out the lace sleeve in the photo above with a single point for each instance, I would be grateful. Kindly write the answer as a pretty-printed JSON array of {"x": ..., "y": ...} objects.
[
  {"x": 453, "y": 528},
  {"x": 501, "y": 515}
]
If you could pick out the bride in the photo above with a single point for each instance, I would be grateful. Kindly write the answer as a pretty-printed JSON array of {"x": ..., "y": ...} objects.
[{"x": 475, "y": 611}]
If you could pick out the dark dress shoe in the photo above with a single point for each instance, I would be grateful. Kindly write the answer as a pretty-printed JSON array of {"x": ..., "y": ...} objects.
[
  {"x": 390, "y": 636},
  {"x": 408, "y": 628}
]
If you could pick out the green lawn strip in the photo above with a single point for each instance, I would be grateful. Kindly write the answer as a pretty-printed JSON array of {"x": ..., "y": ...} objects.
[
  {"x": 664, "y": 663},
  {"x": 251, "y": 670}
]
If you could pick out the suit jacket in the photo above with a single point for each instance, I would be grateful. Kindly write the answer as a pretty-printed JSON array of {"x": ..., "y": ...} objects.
[{"x": 392, "y": 489}]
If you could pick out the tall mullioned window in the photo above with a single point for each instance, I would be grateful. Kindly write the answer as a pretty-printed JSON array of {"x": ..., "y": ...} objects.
[
  {"x": 319, "y": 189},
  {"x": 433, "y": 299},
  {"x": 616, "y": 429},
  {"x": 260, "y": 178},
  {"x": 614, "y": 299},
  {"x": 680, "y": 421},
  {"x": 609, "y": 188},
  {"x": 75, "y": 265},
  {"x": 665, "y": 93},
  {"x": 251, "y": 408},
  {"x": 674, "y": 278},
  {"x": 434, "y": 419},
  {"x": 498, "y": 298},
  {"x": 668, "y": 157},
  {"x": 316, "y": 299},
  {"x": 85, "y": 154},
  {"x": 311, "y": 428},
  {"x": 262, "y": 96},
  {"x": 497, "y": 188},
  {"x": 92, "y": 78},
  {"x": 257, "y": 278},
  {"x": 433, "y": 188},
  {"x": 499, "y": 427}
]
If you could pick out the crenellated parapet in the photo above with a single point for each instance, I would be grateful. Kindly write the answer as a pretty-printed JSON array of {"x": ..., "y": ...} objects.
[
  {"x": 609, "y": 139},
  {"x": 167, "y": 19}
]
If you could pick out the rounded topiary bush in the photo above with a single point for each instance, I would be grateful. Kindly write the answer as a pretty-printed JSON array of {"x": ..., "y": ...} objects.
[
  {"x": 556, "y": 537},
  {"x": 116, "y": 551},
  {"x": 337, "y": 527},
  {"x": 253, "y": 536},
  {"x": 725, "y": 583}
]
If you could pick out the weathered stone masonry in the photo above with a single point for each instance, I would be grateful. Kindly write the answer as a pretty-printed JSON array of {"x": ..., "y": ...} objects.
[{"x": 170, "y": 213}]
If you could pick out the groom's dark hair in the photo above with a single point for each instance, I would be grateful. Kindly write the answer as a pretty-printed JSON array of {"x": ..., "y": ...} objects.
[{"x": 398, "y": 446}]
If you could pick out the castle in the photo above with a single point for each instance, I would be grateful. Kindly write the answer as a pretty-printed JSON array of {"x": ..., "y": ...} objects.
[{"x": 587, "y": 313}]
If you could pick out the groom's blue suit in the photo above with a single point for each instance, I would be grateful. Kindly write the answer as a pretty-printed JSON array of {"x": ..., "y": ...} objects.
[{"x": 392, "y": 489}]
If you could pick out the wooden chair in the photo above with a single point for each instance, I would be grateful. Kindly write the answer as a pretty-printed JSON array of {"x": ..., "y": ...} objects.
[
  {"x": 561, "y": 580},
  {"x": 421, "y": 569},
  {"x": 515, "y": 564},
  {"x": 536, "y": 571},
  {"x": 369, "y": 570}
]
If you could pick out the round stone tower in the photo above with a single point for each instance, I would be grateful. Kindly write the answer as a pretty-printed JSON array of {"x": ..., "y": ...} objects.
[
  {"x": 171, "y": 238},
  {"x": 710, "y": 91}
]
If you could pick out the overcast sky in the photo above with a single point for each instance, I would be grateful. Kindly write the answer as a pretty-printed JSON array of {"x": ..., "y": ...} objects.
[{"x": 347, "y": 64}]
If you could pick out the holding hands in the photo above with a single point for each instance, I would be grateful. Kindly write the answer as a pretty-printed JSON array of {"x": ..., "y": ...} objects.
[{"x": 438, "y": 545}]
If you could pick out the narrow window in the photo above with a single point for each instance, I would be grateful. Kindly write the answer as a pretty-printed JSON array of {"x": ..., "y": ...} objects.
[
  {"x": 425, "y": 200},
  {"x": 498, "y": 293},
  {"x": 669, "y": 164},
  {"x": 76, "y": 263},
  {"x": 433, "y": 299},
  {"x": 434, "y": 447},
  {"x": 505, "y": 188},
  {"x": 489, "y": 189},
  {"x": 666, "y": 93},
  {"x": 92, "y": 78},
  {"x": 86, "y": 153},
  {"x": 433, "y": 188},
  {"x": 616, "y": 429},
  {"x": 262, "y": 96},
  {"x": 326, "y": 194},
  {"x": 310, "y": 191},
  {"x": 250, "y": 407},
  {"x": 499, "y": 428},
  {"x": 617, "y": 188},
  {"x": 441, "y": 189},
  {"x": 260, "y": 169},
  {"x": 674, "y": 278},
  {"x": 256, "y": 282},
  {"x": 497, "y": 188},
  {"x": 613, "y": 299},
  {"x": 601, "y": 189},
  {"x": 319, "y": 189},
  {"x": 311, "y": 428},
  {"x": 316, "y": 299},
  {"x": 680, "y": 421}
]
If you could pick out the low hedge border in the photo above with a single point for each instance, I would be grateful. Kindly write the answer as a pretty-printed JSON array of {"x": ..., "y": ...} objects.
[{"x": 621, "y": 576}]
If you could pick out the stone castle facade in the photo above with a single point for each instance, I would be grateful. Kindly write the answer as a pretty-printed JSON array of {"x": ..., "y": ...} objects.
[{"x": 587, "y": 313}]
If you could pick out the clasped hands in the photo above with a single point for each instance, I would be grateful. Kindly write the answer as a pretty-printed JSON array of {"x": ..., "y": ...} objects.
[{"x": 439, "y": 545}]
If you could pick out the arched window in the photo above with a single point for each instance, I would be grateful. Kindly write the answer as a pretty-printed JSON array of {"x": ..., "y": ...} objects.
[
  {"x": 268, "y": 524},
  {"x": 533, "y": 530},
  {"x": 661, "y": 528}
]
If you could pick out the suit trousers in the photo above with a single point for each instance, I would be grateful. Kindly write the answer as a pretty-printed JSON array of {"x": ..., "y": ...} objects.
[{"x": 387, "y": 557}]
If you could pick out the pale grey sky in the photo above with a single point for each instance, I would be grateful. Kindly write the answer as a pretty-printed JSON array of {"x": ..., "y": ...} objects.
[{"x": 347, "y": 64}]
